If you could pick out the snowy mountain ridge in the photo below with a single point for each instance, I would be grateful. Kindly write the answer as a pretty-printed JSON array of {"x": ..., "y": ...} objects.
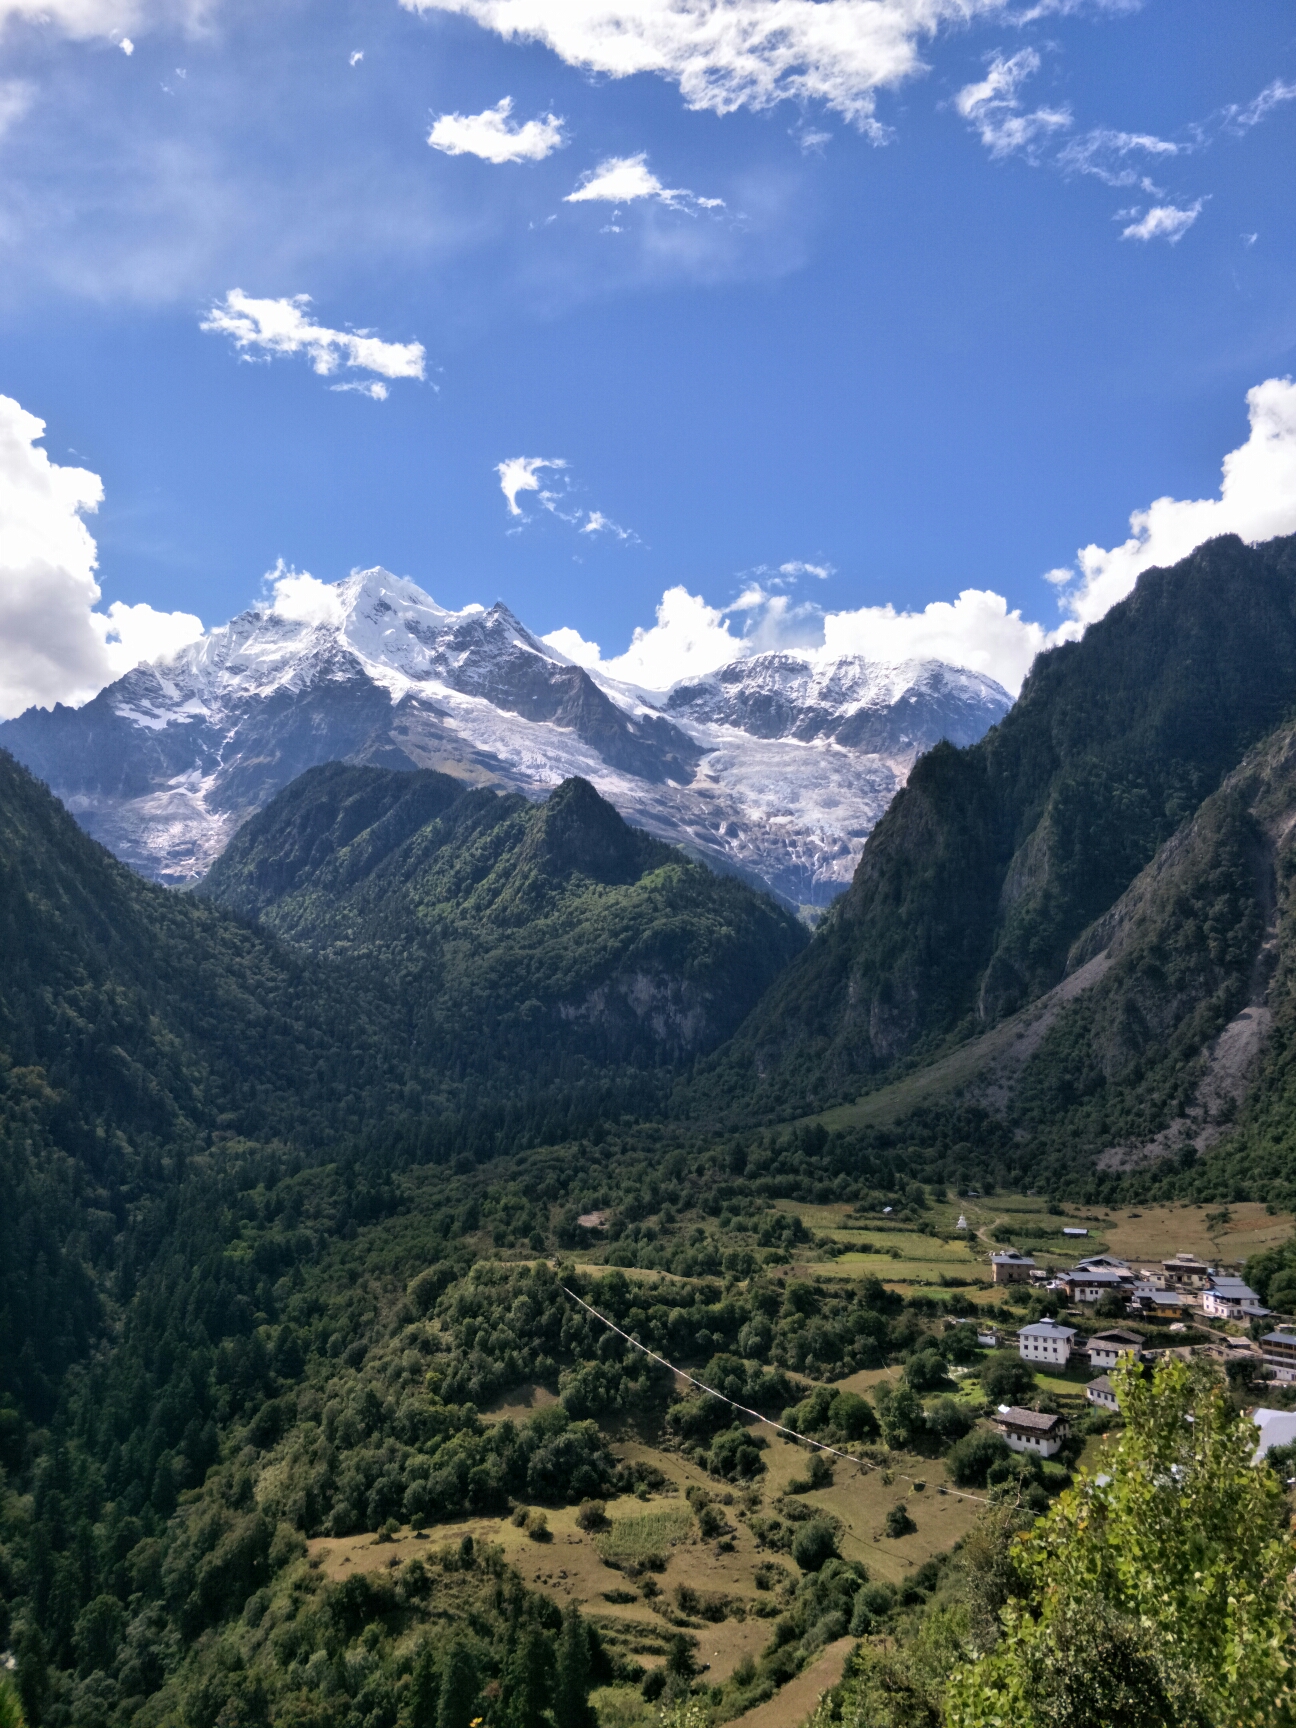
[{"x": 775, "y": 766}]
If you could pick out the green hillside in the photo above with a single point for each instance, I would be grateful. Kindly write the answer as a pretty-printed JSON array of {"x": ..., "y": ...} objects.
[
  {"x": 512, "y": 938},
  {"x": 994, "y": 859}
]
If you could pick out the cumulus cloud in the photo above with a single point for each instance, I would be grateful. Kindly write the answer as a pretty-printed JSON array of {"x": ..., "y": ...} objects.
[
  {"x": 625, "y": 179},
  {"x": 1163, "y": 222},
  {"x": 261, "y": 329},
  {"x": 730, "y": 54},
  {"x": 301, "y": 597},
  {"x": 978, "y": 630},
  {"x": 54, "y": 646},
  {"x": 795, "y": 567},
  {"x": 490, "y": 136},
  {"x": 1257, "y": 501},
  {"x": 522, "y": 474},
  {"x": 994, "y": 107}
]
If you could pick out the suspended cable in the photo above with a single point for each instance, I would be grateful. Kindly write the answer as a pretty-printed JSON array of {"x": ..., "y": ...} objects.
[{"x": 819, "y": 1445}]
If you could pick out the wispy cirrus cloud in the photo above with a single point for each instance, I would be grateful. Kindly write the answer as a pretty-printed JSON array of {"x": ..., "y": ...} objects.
[
  {"x": 628, "y": 180},
  {"x": 523, "y": 474},
  {"x": 1241, "y": 117},
  {"x": 490, "y": 136},
  {"x": 1162, "y": 222},
  {"x": 266, "y": 329},
  {"x": 994, "y": 107},
  {"x": 1116, "y": 158}
]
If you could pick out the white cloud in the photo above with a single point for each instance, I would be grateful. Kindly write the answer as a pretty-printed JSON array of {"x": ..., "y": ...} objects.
[
  {"x": 1257, "y": 501},
  {"x": 139, "y": 633},
  {"x": 730, "y": 54},
  {"x": 1240, "y": 118},
  {"x": 84, "y": 20},
  {"x": 977, "y": 631},
  {"x": 1111, "y": 155},
  {"x": 355, "y": 57},
  {"x": 303, "y": 598},
  {"x": 127, "y": 46},
  {"x": 261, "y": 329},
  {"x": 1163, "y": 222},
  {"x": 490, "y": 136},
  {"x": 522, "y": 474},
  {"x": 597, "y": 523},
  {"x": 54, "y": 647},
  {"x": 795, "y": 567},
  {"x": 15, "y": 100},
  {"x": 688, "y": 640},
  {"x": 624, "y": 179},
  {"x": 571, "y": 643},
  {"x": 994, "y": 107}
]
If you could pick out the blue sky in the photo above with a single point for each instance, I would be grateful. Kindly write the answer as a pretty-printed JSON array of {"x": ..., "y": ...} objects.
[{"x": 929, "y": 314}]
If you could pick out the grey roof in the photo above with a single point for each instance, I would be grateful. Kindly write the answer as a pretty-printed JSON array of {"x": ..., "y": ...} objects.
[
  {"x": 1115, "y": 1336},
  {"x": 1101, "y": 1384},
  {"x": 1046, "y": 1329},
  {"x": 1097, "y": 1275},
  {"x": 1236, "y": 1289},
  {"x": 1280, "y": 1338},
  {"x": 1034, "y": 1420},
  {"x": 1011, "y": 1258}
]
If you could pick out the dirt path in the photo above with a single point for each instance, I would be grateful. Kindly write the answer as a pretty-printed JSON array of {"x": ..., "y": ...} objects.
[{"x": 795, "y": 1701}]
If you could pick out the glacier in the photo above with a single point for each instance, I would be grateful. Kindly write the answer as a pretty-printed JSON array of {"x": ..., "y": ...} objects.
[{"x": 775, "y": 767}]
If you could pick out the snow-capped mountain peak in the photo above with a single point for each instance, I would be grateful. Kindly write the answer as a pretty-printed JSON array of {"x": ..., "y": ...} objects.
[{"x": 776, "y": 766}]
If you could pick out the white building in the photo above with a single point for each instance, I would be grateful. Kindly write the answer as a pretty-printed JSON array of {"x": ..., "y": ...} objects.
[
  {"x": 1107, "y": 1348},
  {"x": 1102, "y": 1392},
  {"x": 1046, "y": 1342},
  {"x": 1092, "y": 1283},
  {"x": 1031, "y": 1430},
  {"x": 1231, "y": 1299},
  {"x": 1277, "y": 1428},
  {"x": 1279, "y": 1352}
]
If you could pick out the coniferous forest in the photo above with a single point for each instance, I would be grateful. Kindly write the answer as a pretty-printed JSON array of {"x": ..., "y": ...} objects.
[{"x": 321, "y": 1182}]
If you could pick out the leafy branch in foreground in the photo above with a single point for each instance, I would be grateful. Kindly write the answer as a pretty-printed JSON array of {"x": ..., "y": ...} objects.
[{"x": 1161, "y": 1591}]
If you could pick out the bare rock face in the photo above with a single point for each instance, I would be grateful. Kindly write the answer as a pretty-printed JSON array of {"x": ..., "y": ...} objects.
[{"x": 775, "y": 768}]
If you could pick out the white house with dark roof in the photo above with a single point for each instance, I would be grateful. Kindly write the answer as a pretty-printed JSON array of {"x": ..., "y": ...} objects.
[
  {"x": 1231, "y": 1299},
  {"x": 1107, "y": 1348},
  {"x": 1092, "y": 1283},
  {"x": 1046, "y": 1343},
  {"x": 1031, "y": 1430},
  {"x": 1279, "y": 1352},
  {"x": 1102, "y": 1393}
]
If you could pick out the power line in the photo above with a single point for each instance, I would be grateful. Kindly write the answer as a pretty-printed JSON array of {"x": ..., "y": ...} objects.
[{"x": 819, "y": 1445}]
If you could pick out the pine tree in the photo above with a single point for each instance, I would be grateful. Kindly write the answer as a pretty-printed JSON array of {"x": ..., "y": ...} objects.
[
  {"x": 424, "y": 1689},
  {"x": 571, "y": 1684},
  {"x": 459, "y": 1688},
  {"x": 528, "y": 1681}
]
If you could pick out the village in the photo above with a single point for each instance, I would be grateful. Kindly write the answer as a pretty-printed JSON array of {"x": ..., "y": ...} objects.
[{"x": 1182, "y": 1294}]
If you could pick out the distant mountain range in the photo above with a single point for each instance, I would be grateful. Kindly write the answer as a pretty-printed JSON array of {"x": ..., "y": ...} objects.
[{"x": 775, "y": 767}]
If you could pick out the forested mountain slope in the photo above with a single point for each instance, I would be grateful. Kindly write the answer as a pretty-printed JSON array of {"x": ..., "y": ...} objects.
[
  {"x": 511, "y": 936},
  {"x": 994, "y": 858}
]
